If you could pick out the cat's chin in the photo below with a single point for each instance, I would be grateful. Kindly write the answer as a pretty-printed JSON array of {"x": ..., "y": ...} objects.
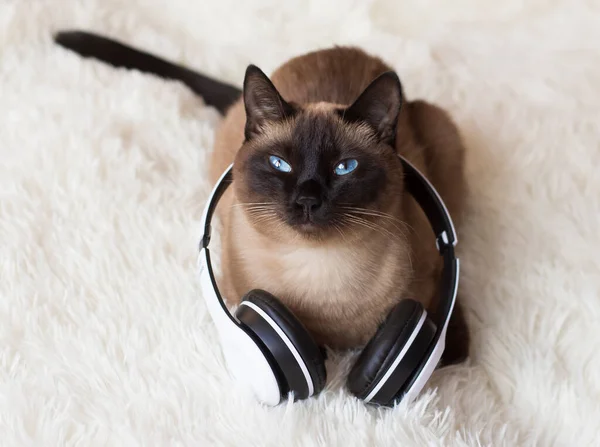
[
  {"x": 313, "y": 232},
  {"x": 285, "y": 230},
  {"x": 309, "y": 228}
]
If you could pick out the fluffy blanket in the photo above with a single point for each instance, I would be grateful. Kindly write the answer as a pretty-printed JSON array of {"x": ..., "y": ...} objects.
[{"x": 104, "y": 336}]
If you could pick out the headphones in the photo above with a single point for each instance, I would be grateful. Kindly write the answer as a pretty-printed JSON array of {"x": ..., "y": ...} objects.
[{"x": 271, "y": 352}]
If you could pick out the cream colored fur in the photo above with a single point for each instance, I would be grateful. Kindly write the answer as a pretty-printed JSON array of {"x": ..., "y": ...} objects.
[{"x": 104, "y": 337}]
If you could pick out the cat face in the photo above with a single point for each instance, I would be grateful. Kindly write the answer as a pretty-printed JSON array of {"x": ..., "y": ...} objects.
[{"x": 321, "y": 170}]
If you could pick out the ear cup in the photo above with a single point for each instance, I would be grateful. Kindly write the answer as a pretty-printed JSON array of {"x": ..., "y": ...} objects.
[
  {"x": 379, "y": 373},
  {"x": 292, "y": 347}
]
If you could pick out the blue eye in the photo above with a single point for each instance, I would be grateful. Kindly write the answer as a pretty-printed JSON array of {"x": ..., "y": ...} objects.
[
  {"x": 280, "y": 164},
  {"x": 346, "y": 167}
]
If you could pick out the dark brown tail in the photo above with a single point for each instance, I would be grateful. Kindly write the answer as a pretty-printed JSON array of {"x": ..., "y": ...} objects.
[{"x": 215, "y": 93}]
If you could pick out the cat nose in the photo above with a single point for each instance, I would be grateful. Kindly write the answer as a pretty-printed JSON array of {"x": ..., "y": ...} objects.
[{"x": 309, "y": 202}]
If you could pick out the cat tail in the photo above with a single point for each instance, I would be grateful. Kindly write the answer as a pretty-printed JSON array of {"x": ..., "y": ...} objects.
[{"x": 214, "y": 93}]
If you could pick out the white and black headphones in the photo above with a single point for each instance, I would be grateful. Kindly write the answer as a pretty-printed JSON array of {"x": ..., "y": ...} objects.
[{"x": 269, "y": 350}]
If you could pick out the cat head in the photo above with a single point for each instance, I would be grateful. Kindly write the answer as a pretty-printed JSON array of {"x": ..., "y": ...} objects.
[{"x": 320, "y": 170}]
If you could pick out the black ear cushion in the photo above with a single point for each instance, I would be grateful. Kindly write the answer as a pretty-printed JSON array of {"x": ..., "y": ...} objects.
[
  {"x": 380, "y": 352},
  {"x": 297, "y": 333}
]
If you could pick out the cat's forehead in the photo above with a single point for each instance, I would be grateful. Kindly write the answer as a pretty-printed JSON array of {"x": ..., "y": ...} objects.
[
  {"x": 316, "y": 131},
  {"x": 320, "y": 129}
]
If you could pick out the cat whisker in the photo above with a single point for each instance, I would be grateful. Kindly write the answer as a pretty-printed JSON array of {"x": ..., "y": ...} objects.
[
  {"x": 262, "y": 215},
  {"x": 252, "y": 203},
  {"x": 391, "y": 223},
  {"x": 339, "y": 229},
  {"x": 370, "y": 225},
  {"x": 381, "y": 230},
  {"x": 255, "y": 205},
  {"x": 373, "y": 213},
  {"x": 259, "y": 209}
]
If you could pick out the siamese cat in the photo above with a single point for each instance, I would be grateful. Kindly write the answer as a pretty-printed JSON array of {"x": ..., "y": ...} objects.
[{"x": 317, "y": 214}]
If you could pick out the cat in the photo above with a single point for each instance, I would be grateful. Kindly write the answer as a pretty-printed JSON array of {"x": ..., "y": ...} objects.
[{"x": 317, "y": 214}]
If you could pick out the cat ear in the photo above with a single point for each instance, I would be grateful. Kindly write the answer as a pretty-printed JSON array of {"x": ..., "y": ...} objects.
[
  {"x": 379, "y": 106},
  {"x": 262, "y": 101}
]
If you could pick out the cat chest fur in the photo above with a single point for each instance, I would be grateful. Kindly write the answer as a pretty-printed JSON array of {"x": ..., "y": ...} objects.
[
  {"x": 355, "y": 275},
  {"x": 313, "y": 272}
]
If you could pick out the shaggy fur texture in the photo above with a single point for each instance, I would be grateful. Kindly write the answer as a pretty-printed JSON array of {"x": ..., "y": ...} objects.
[{"x": 104, "y": 337}]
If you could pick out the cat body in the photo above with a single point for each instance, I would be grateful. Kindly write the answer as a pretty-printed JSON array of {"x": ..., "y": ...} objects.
[
  {"x": 317, "y": 214},
  {"x": 342, "y": 288}
]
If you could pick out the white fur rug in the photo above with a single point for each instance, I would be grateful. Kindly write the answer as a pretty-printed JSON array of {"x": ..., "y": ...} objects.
[{"x": 104, "y": 337}]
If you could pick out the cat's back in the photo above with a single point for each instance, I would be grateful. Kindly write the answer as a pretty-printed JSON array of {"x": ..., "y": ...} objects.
[{"x": 337, "y": 75}]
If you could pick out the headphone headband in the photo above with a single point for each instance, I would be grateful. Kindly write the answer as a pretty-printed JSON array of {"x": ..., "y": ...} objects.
[
  {"x": 218, "y": 190},
  {"x": 446, "y": 239}
]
